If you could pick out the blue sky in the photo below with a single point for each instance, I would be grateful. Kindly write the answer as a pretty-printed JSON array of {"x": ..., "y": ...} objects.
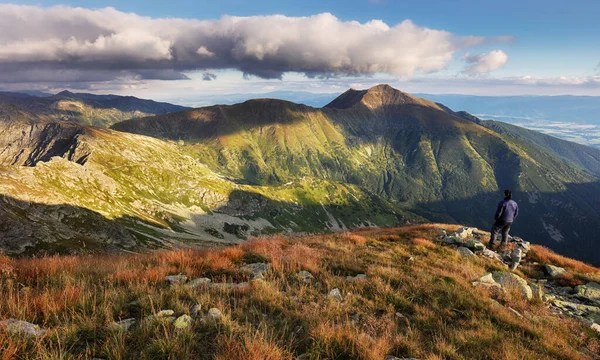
[{"x": 555, "y": 47}]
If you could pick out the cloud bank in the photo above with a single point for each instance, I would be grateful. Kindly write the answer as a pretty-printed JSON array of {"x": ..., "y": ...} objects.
[
  {"x": 65, "y": 44},
  {"x": 484, "y": 63}
]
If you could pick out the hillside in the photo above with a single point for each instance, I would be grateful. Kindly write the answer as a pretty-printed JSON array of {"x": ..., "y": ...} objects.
[
  {"x": 370, "y": 294},
  {"x": 97, "y": 110},
  {"x": 415, "y": 154},
  {"x": 69, "y": 188}
]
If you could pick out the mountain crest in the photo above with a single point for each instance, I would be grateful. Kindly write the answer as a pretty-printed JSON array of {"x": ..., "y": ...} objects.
[{"x": 376, "y": 97}]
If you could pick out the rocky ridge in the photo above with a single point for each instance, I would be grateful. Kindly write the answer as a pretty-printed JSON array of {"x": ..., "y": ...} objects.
[{"x": 581, "y": 302}]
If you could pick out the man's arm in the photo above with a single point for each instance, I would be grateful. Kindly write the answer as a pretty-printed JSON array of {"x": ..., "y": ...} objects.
[
  {"x": 499, "y": 210},
  {"x": 516, "y": 210}
]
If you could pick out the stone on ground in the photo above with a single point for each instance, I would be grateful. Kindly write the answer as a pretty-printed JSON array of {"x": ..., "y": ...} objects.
[
  {"x": 195, "y": 310},
  {"x": 336, "y": 294},
  {"x": 20, "y": 327},
  {"x": 589, "y": 291},
  {"x": 465, "y": 232},
  {"x": 214, "y": 314},
  {"x": 596, "y": 328},
  {"x": 508, "y": 280},
  {"x": 183, "y": 322},
  {"x": 199, "y": 282},
  {"x": 359, "y": 277},
  {"x": 176, "y": 279},
  {"x": 257, "y": 270},
  {"x": 124, "y": 324},
  {"x": 537, "y": 291},
  {"x": 466, "y": 253},
  {"x": 555, "y": 272},
  {"x": 305, "y": 276},
  {"x": 475, "y": 245},
  {"x": 492, "y": 254}
]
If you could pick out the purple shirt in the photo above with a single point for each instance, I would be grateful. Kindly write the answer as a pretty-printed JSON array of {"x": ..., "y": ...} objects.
[{"x": 507, "y": 211}]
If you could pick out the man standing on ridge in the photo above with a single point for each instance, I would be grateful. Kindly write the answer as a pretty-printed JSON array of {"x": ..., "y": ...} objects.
[{"x": 506, "y": 213}]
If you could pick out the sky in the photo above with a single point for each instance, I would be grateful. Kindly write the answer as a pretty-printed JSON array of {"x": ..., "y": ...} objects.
[{"x": 176, "y": 50}]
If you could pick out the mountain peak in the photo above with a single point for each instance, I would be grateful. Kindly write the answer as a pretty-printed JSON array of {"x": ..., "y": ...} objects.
[
  {"x": 65, "y": 93},
  {"x": 376, "y": 97}
]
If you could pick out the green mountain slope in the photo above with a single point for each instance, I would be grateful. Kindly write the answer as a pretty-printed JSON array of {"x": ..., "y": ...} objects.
[
  {"x": 67, "y": 187},
  {"x": 411, "y": 152},
  {"x": 97, "y": 110}
]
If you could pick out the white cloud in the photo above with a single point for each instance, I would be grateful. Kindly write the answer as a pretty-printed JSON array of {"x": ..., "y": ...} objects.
[
  {"x": 484, "y": 63},
  {"x": 111, "y": 44}
]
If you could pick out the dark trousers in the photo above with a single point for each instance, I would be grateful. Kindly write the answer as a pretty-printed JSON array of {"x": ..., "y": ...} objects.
[{"x": 500, "y": 226}]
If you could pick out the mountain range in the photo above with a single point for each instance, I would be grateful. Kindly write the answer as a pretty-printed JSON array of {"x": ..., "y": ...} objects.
[
  {"x": 97, "y": 110},
  {"x": 204, "y": 176}
]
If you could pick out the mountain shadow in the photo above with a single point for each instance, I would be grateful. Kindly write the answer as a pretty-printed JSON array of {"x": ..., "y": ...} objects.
[{"x": 568, "y": 222}]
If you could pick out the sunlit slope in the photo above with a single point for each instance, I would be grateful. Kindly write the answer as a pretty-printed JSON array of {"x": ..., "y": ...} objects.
[
  {"x": 96, "y": 189},
  {"x": 414, "y": 153}
]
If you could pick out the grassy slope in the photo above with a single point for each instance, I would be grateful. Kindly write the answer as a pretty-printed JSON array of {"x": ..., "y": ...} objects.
[
  {"x": 130, "y": 179},
  {"x": 76, "y": 298},
  {"x": 415, "y": 154}
]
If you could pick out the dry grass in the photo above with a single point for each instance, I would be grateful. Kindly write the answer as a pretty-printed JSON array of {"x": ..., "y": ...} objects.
[
  {"x": 442, "y": 315},
  {"x": 546, "y": 256}
]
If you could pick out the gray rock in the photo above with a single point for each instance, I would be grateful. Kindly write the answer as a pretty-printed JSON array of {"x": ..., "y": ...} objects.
[
  {"x": 508, "y": 280},
  {"x": 596, "y": 328},
  {"x": 183, "y": 322},
  {"x": 515, "y": 258},
  {"x": 537, "y": 291},
  {"x": 492, "y": 254},
  {"x": 305, "y": 276},
  {"x": 195, "y": 310},
  {"x": 176, "y": 279},
  {"x": 555, "y": 272},
  {"x": 256, "y": 269},
  {"x": 336, "y": 294},
  {"x": 452, "y": 239},
  {"x": 199, "y": 282},
  {"x": 214, "y": 314},
  {"x": 359, "y": 277},
  {"x": 164, "y": 313},
  {"x": 589, "y": 291},
  {"x": 466, "y": 253},
  {"x": 465, "y": 232},
  {"x": 475, "y": 245},
  {"x": 124, "y": 325},
  {"x": 20, "y": 327}
]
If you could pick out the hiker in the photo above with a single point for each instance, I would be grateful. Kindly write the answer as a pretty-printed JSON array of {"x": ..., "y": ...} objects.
[{"x": 506, "y": 213}]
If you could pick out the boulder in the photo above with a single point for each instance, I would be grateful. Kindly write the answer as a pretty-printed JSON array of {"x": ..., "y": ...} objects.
[
  {"x": 596, "y": 328},
  {"x": 465, "y": 233},
  {"x": 359, "y": 277},
  {"x": 589, "y": 291},
  {"x": 124, "y": 325},
  {"x": 466, "y": 253},
  {"x": 492, "y": 254},
  {"x": 305, "y": 276},
  {"x": 515, "y": 258},
  {"x": 214, "y": 314},
  {"x": 20, "y": 327},
  {"x": 199, "y": 282},
  {"x": 176, "y": 279},
  {"x": 537, "y": 291},
  {"x": 336, "y": 294},
  {"x": 475, "y": 245},
  {"x": 257, "y": 270},
  {"x": 509, "y": 280},
  {"x": 555, "y": 272},
  {"x": 195, "y": 310},
  {"x": 183, "y": 322}
]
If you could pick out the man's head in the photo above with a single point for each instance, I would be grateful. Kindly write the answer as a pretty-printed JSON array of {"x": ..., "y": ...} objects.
[{"x": 507, "y": 194}]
